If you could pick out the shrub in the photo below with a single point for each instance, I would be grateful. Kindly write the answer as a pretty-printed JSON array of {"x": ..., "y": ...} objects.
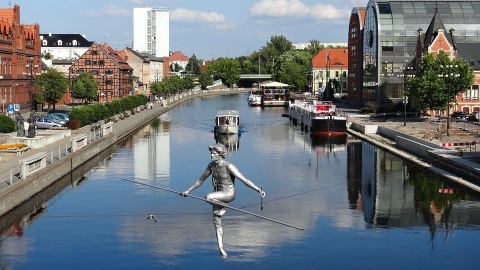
[
  {"x": 7, "y": 124},
  {"x": 74, "y": 124}
]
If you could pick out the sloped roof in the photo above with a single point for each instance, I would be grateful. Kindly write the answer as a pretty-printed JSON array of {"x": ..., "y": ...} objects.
[
  {"x": 331, "y": 57},
  {"x": 469, "y": 52},
  {"x": 273, "y": 84},
  {"x": 119, "y": 61},
  {"x": 67, "y": 40},
  {"x": 178, "y": 56},
  {"x": 432, "y": 31}
]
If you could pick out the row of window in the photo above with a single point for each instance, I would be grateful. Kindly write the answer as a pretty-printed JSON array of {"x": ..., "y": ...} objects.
[
  {"x": 90, "y": 62},
  {"x": 60, "y": 43}
]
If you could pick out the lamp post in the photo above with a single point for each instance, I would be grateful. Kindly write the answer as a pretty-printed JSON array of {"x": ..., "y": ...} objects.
[
  {"x": 386, "y": 78},
  {"x": 449, "y": 77},
  {"x": 31, "y": 66},
  {"x": 406, "y": 75},
  {"x": 385, "y": 82}
]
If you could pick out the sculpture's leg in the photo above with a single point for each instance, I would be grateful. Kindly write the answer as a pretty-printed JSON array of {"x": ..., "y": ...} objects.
[{"x": 217, "y": 221}]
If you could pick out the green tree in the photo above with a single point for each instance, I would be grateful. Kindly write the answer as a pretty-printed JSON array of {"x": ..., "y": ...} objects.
[
  {"x": 431, "y": 88},
  {"x": 205, "y": 80},
  {"x": 193, "y": 65},
  {"x": 51, "y": 86},
  {"x": 269, "y": 54},
  {"x": 292, "y": 69},
  {"x": 85, "y": 87},
  {"x": 314, "y": 47},
  {"x": 225, "y": 69}
]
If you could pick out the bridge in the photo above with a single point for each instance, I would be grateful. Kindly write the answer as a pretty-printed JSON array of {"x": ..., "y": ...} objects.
[{"x": 247, "y": 80}]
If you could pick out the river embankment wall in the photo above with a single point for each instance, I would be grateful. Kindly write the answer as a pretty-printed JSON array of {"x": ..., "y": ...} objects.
[
  {"x": 452, "y": 164},
  {"x": 21, "y": 191}
]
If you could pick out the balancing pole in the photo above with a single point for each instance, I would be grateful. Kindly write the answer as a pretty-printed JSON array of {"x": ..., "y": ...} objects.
[{"x": 216, "y": 203}]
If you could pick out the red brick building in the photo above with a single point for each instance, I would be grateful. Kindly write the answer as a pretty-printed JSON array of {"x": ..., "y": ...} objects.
[
  {"x": 435, "y": 39},
  {"x": 355, "y": 57},
  {"x": 112, "y": 73},
  {"x": 20, "y": 50}
]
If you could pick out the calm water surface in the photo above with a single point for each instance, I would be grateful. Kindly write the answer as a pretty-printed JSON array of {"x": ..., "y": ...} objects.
[{"x": 361, "y": 207}]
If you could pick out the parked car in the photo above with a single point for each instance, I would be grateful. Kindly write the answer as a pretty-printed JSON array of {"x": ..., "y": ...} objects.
[
  {"x": 55, "y": 118},
  {"x": 474, "y": 117},
  {"x": 61, "y": 116},
  {"x": 459, "y": 116},
  {"x": 46, "y": 122}
]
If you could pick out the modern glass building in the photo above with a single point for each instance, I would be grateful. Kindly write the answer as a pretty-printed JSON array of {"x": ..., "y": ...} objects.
[{"x": 390, "y": 36}]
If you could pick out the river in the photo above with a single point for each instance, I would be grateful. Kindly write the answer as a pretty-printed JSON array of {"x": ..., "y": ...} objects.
[{"x": 360, "y": 207}]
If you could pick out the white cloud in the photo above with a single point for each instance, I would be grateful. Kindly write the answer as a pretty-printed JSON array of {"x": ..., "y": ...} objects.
[
  {"x": 279, "y": 8},
  {"x": 192, "y": 16},
  {"x": 295, "y": 8},
  {"x": 328, "y": 12},
  {"x": 109, "y": 10}
]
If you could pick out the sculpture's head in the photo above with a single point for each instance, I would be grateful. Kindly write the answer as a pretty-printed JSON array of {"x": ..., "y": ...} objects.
[{"x": 219, "y": 148}]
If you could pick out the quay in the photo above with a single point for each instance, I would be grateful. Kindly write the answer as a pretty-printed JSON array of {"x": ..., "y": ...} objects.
[
  {"x": 60, "y": 158},
  {"x": 454, "y": 157}
]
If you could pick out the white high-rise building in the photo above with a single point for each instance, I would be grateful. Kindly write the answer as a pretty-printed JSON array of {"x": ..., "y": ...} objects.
[{"x": 151, "y": 31}]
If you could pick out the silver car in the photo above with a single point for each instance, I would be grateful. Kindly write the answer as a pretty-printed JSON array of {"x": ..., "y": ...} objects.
[{"x": 46, "y": 122}]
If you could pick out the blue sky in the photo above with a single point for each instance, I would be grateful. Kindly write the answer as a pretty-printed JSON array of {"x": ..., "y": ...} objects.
[{"x": 206, "y": 28}]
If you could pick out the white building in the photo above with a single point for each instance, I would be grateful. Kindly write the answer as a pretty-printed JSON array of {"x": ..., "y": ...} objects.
[
  {"x": 64, "y": 46},
  {"x": 151, "y": 31}
]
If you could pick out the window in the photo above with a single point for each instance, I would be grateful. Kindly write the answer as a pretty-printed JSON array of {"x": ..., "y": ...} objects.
[
  {"x": 108, "y": 72},
  {"x": 337, "y": 73},
  {"x": 44, "y": 43},
  {"x": 95, "y": 72},
  {"x": 94, "y": 52},
  {"x": 95, "y": 62},
  {"x": 101, "y": 62},
  {"x": 474, "y": 91},
  {"x": 88, "y": 62},
  {"x": 108, "y": 82},
  {"x": 74, "y": 42},
  {"x": 60, "y": 43}
]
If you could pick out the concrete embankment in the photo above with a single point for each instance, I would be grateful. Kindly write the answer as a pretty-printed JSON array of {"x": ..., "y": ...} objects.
[
  {"x": 24, "y": 189},
  {"x": 452, "y": 164}
]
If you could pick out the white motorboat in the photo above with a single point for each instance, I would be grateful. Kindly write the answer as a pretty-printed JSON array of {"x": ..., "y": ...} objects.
[
  {"x": 255, "y": 98},
  {"x": 227, "y": 122}
]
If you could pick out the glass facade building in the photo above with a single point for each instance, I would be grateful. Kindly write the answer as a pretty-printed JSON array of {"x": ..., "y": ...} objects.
[{"x": 390, "y": 38}]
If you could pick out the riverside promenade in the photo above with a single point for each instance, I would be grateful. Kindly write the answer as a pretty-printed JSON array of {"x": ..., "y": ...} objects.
[{"x": 15, "y": 189}]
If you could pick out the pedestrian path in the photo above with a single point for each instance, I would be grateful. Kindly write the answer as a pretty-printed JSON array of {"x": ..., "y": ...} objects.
[{"x": 9, "y": 165}]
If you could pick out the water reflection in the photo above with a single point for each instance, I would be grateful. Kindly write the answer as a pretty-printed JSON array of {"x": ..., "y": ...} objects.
[
  {"x": 231, "y": 141},
  {"x": 339, "y": 189}
]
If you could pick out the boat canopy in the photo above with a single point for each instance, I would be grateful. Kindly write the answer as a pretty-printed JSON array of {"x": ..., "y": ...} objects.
[{"x": 233, "y": 113}]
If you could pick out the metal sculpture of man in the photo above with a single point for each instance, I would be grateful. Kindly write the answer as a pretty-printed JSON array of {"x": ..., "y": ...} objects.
[
  {"x": 19, "y": 121},
  {"x": 223, "y": 179},
  {"x": 31, "y": 124}
]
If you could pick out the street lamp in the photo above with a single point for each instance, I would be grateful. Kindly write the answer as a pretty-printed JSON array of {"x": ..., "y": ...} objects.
[
  {"x": 385, "y": 82},
  {"x": 406, "y": 75},
  {"x": 30, "y": 90},
  {"x": 448, "y": 77}
]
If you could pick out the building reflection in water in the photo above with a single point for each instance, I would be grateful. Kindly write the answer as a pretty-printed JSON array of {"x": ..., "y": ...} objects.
[
  {"x": 392, "y": 192},
  {"x": 154, "y": 150}
]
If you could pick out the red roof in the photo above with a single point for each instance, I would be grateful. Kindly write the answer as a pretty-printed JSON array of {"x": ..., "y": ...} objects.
[{"x": 331, "y": 57}]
